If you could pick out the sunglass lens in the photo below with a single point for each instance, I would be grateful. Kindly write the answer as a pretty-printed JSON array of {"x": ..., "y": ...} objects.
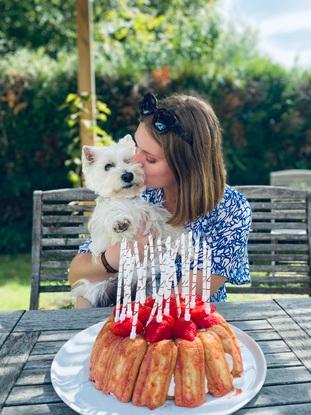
[
  {"x": 148, "y": 105},
  {"x": 164, "y": 120}
]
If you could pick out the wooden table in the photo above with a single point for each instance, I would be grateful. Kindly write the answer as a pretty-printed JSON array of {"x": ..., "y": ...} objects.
[{"x": 29, "y": 341}]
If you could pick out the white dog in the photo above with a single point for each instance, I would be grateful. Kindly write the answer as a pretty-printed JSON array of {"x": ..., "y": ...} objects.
[{"x": 119, "y": 210}]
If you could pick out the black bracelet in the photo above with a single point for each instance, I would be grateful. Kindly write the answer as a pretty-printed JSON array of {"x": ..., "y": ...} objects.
[{"x": 107, "y": 267}]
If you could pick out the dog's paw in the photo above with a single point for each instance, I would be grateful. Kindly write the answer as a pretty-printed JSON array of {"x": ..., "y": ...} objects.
[{"x": 121, "y": 225}]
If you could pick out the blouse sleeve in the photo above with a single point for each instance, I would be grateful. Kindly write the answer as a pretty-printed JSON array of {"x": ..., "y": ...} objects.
[
  {"x": 229, "y": 242},
  {"x": 85, "y": 247}
]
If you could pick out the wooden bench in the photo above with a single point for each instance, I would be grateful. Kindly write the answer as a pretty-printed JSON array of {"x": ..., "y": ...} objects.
[
  {"x": 59, "y": 226},
  {"x": 280, "y": 241},
  {"x": 295, "y": 179},
  {"x": 279, "y": 244}
]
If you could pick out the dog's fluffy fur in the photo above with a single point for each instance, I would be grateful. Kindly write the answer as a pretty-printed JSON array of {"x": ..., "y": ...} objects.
[{"x": 119, "y": 210}]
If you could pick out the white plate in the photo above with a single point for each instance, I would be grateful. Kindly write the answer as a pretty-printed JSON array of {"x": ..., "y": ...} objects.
[{"x": 70, "y": 368}]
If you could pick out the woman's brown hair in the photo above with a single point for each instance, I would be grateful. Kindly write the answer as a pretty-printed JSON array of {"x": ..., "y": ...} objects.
[{"x": 198, "y": 167}]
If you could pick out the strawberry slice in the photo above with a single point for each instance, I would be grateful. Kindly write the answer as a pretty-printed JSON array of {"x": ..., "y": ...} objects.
[
  {"x": 173, "y": 307},
  {"x": 149, "y": 301},
  {"x": 198, "y": 300},
  {"x": 184, "y": 329},
  {"x": 144, "y": 313},
  {"x": 169, "y": 319},
  {"x": 123, "y": 328},
  {"x": 198, "y": 314},
  {"x": 208, "y": 321},
  {"x": 155, "y": 331}
]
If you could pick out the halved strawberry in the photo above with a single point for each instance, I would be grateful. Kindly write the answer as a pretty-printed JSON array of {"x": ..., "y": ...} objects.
[
  {"x": 155, "y": 331},
  {"x": 123, "y": 328},
  {"x": 144, "y": 313},
  {"x": 149, "y": 301},
  {"x": 169, "y": 319},
  {"x": 198, "y": 314},
  {"x": 172, "y": 308},
  {"x": 198, "y": 300},
  {"x": 208, "y": 321},
  {"x": 184, "y": 329}
]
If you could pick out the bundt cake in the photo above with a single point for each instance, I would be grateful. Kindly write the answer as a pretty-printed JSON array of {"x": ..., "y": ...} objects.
[{"x": 170, "y": 357}]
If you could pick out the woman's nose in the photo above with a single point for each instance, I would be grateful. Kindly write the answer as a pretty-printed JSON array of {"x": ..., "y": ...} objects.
[{"x": 138, "y": 158}]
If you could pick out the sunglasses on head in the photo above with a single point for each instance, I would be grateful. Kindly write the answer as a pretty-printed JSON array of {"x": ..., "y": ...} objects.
[{"x": 163, "y": 120}]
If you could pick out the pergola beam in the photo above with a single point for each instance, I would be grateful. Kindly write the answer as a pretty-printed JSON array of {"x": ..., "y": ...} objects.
[{"x": 86, "y": 73}]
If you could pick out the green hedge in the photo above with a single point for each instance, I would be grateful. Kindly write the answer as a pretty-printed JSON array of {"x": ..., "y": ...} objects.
[{"x": 264, "y": 110}]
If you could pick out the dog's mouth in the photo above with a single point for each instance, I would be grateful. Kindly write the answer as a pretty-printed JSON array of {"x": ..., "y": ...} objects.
[
  {"x": 132, "y": 184},
  {"x": 128, "y": 186}
]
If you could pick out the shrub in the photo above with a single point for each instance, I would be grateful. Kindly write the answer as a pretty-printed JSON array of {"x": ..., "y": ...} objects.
[{"x": 264, "y": 109}]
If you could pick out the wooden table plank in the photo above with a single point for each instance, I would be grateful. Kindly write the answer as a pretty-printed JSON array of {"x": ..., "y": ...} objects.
[
  {"x": 62, "y": 409},
  {"x": 282, "y": 359},
  {"x": 287, "y": 375},
  {"x": 47, "y": 336},
  {"x": 298, "y": 310},
  {"x": 37, "y": 376},
  {"x": 287, "y": 389},
  {"x": 43, "y": 409},
  {"x": 80, "y": 319},
  {"x": 269, "y": 395},
  {"x": 45, "y": 320},
  {"x": 9, "y": 319},
  {"x": 3, "y": 337},
  {"x": 295, "y": 337},
  {"x": 33, "y": 394},
  {"x": 275, "y": 376},
  {"x": 13, "y": 355},
  {"x": 248, "y": 310},
  {"x": 282, "y": 395},
  {"x": 300, "y": 409}
]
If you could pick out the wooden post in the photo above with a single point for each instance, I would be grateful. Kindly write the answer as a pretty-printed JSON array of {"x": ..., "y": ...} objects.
[{"x": 86, "y": 74}]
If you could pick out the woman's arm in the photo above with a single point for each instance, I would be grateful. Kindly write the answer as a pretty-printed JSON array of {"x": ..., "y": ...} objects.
[
  {"x": 84, "y": 266},
  {"x": 216, "y": 282}
]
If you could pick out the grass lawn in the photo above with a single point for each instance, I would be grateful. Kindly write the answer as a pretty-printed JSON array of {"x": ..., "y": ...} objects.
[{"x": 15, "y": 278}]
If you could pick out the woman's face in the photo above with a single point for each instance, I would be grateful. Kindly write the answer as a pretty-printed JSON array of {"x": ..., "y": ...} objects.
[{"x": 151, "y": 156}]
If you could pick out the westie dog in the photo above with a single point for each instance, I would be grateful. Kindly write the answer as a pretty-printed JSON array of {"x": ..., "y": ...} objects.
[{"x": 119, "y": 210}]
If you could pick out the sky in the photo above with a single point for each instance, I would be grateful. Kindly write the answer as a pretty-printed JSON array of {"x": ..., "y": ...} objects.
[{"x": 284, "y": 27}]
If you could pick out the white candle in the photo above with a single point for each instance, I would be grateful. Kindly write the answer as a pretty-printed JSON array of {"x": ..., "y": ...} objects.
[
  {"x": 144, "y": 276},
  {"x": 159, "y": 298},
  {"x": 127, "y": 284},
  {"x": 168, "y": 273},
  {"x": 120, "y": 277},
  {"x": 183, "y": 264},
  {"x": 187, "y": 281},
  {"x": 153, "y": 270},
  {"x": 174, "y": 279},
  {"x": 194, "y": 273},
  {"x": 138, "y": 294},
  {"x": 208, "y": 280},
  {"x": 204, "y": 271},
  {"x": 129, "y": 287}
]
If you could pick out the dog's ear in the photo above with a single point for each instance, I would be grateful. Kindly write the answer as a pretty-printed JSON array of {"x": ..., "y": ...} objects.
[
  {"x": 88, "y": 153},
  {"x": 127, "y": 140}
]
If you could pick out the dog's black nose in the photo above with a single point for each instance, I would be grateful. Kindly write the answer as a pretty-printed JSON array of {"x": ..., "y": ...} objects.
[{"x": 127, "y": 177}]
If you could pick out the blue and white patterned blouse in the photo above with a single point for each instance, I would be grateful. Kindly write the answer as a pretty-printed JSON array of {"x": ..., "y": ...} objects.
[{"x": 225, "y": 229}]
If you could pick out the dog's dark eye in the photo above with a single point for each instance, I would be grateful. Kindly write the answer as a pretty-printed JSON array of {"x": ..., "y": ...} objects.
[
  {"x": 109, "y": 166},
  {"x": 127, "y": 161}
]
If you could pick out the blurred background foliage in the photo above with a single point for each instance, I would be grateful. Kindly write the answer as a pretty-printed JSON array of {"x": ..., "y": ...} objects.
[{"x": 163, "y": 46}]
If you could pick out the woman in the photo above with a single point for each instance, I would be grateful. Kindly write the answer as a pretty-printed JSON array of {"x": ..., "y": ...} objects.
[{"x": 179, "y": 147}]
